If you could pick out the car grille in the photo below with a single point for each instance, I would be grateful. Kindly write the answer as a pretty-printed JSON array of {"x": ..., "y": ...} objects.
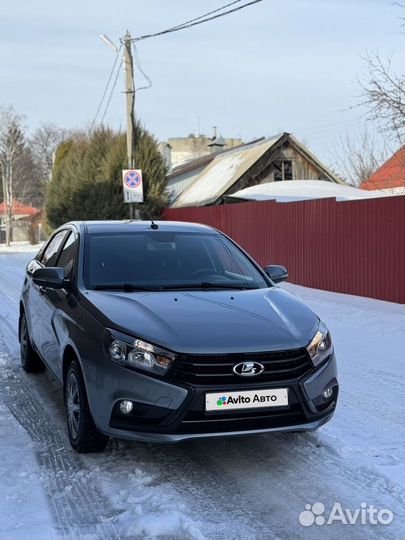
[
  {"x": 198, "y": 422},
  {"x": 217, "y": 369}
]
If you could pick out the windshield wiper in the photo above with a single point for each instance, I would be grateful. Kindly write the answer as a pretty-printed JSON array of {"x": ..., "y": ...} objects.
[
  {"x": 207, "y": 285},
  {"x": 127, "y": 287}
]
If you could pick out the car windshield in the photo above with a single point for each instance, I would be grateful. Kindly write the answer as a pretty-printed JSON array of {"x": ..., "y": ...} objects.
[{"x": 158, "y": 260}]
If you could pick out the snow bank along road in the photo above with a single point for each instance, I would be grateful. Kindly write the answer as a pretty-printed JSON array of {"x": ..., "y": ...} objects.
[{"x": 246, "y": 488}]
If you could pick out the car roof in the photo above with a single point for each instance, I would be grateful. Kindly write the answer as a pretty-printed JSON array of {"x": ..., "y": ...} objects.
[{"x": 139, "y": 226}]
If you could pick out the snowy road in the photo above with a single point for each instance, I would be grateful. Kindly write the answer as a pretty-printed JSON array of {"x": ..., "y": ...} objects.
[{"x": 247, "y": 488}]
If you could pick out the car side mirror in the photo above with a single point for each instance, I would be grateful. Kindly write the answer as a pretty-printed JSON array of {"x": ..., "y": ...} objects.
[
  {"x": 51, "y": 277},
  {"x": 276, "y": 273}
]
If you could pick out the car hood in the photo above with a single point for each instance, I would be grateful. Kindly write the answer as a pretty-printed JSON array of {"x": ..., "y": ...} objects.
[{"x": 204, "y": 322}]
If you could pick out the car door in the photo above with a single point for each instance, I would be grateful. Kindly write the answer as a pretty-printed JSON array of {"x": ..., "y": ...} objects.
[
  {"x": 56, "y": 303},
  {"x": 39, "y": 304},
  {"x": 33, "y": 301}
]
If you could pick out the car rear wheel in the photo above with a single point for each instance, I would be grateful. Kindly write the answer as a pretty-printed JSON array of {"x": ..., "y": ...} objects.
[
  {"x": 83, "y": 434},
  {"x": 30, "y": 361}
]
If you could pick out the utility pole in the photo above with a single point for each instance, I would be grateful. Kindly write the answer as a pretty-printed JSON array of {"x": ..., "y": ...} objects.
[{"x": 130, "y": 96}]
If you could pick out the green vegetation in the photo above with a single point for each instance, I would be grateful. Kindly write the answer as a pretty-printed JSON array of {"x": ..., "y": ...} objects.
[{"x": 86, "y": 180}]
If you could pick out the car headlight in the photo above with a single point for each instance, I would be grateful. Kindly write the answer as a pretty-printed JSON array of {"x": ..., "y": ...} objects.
[
  {"x": 136, "y": 353},
  {"x": 321, "y": 345}
]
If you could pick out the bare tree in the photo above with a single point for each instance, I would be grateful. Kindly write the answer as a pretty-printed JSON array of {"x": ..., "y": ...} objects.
[
  {"x": 44, "y": 143},
  {"x": 383, "y": 95},
  {"x": 29, "y": 186},
  {"x": 12, "y": 144},
  {"x": 356, "y": 158}
]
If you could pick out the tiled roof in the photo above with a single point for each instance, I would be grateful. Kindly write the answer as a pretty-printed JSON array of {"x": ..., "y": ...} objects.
[
  {"x": 20, "y": 209},
  {"x": 390, "y": 175}
]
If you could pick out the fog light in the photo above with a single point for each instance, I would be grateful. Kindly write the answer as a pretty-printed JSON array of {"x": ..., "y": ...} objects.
[
  {"x": 126, "y": 406},
  {"x": 327, "y": 394}
]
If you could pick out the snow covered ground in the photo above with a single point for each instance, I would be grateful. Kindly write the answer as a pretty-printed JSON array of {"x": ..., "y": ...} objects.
[
  {"x": 20, "y": 247},
  {"x": 247, "y": 488}
]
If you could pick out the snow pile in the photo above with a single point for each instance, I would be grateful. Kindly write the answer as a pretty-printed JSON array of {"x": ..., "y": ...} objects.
[
  {"x": 300, "y": 190},
  {"x": 146, "y": 508}
]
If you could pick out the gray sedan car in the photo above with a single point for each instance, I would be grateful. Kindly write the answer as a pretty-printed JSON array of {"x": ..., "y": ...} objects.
[{"x": 169, "y": 331}]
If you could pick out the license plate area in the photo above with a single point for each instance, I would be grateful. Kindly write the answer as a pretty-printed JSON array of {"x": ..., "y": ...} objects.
[{"x": 246, "y": 399}]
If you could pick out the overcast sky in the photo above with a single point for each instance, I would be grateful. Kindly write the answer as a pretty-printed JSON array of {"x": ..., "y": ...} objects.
[{"x": 274, "y": 66}]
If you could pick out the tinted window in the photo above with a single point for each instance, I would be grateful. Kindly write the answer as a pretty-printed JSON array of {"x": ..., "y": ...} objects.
[
  {"x": 67, "y": 256},
  {"x": 51, "y": 252},
  {"x": 159, "y": 258}
]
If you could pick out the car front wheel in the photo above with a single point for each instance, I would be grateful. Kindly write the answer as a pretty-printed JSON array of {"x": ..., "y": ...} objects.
[{"x": 83, "y": 434}]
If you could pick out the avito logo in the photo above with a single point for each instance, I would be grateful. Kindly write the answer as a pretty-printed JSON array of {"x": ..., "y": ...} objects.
[
  {"x": 246, "y": 399},
  {"x": 366, "y": 514}
]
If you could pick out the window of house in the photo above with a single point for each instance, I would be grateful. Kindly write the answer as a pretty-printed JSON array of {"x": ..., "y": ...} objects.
[{"x": 282, "y": 170}]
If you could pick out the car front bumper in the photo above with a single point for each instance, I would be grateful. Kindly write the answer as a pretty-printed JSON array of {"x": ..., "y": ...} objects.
[
  {"x": 171, "y": 411},
  {"x": 142, "y": 436}
]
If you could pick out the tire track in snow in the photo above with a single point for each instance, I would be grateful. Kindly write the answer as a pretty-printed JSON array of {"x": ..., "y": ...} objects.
[
  {"x": 79, "y": 509},
  {"x": 69, "y": 479},
  {"x": 242, "y": 488},
  {"x": 212, "y": 496}
]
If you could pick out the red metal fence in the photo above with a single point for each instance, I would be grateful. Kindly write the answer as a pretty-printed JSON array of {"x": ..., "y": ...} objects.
[{"x": 355, "y": 247}]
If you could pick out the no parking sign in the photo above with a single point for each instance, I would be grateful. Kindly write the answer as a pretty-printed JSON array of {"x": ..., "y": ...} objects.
[{"x": 133, "y": 185}]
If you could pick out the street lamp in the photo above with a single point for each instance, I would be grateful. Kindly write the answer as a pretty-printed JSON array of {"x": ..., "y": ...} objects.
[{"x": 108, "y": 42}]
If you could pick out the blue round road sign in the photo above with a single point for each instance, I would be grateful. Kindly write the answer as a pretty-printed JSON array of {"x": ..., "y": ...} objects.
[{"x": 132, "y": 179}]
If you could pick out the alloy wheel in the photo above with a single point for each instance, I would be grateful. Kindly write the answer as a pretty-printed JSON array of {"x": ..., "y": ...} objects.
[
  {"x": 23, "y": 339},
  {"x": 73, "y": 405}
]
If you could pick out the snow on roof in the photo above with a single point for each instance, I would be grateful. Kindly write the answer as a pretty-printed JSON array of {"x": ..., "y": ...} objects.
[
  {"x": 299, "y": 190},
  {"x": 221, "y": 174}
]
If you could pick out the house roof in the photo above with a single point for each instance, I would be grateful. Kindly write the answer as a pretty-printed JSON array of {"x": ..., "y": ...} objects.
[
  {"x": 204, "y": 160},
  {"x": 20, "y": 209},
  {"x": 390, "y": 175},
  {"x": 228, "y": 167},
  {"x": 300, "y": 190},
  {"x": 190, "y": 166},
  {"x": 221, "y": 174}
]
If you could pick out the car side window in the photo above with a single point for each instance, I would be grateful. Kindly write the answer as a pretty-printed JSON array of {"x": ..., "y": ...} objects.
[
  {"x": 51, "y": 252},
  {"x": 67, "y": 256}
]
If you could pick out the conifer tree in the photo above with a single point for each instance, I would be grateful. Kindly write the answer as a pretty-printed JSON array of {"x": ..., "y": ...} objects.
[{"x": 86, "y": 180}]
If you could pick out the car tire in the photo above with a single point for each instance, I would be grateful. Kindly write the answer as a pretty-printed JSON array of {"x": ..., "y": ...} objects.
[
  {"x": 30, "y": 361},
  {"x": 83, "y": 434}
]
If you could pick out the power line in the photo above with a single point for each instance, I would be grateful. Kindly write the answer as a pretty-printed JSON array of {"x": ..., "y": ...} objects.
[
  {"x": 105, "y": 90},
  {"x": 205, "y": 14},
  {"x": 333, "y": 132},
  {"x": 332, "y": 124},
  {"x": 139, "y": 66},
  {"x": 197, "y": 20},
  {"x": 354, "y": 124},
  {"x": 209, "y": 16},
  {"x": 111, "y": 92}
]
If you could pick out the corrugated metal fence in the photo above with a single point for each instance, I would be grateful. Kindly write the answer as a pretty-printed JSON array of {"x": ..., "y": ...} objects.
[{"x": 355, "y": 247}]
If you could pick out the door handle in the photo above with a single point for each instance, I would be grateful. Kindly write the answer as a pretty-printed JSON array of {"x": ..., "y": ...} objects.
[{"x": 42, "y": 289}]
